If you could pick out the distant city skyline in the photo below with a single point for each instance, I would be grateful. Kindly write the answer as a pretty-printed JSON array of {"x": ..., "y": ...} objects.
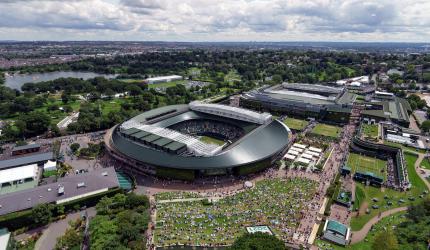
[{"x": 216, "y": 20}]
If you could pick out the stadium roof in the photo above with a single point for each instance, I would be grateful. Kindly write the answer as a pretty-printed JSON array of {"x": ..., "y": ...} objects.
[
  {"x": 25, "y": 160},
  {"x": 231, "y": 112},
  {"x": 259, "y": 144},
  {"x": 396, "y": 109},
  {"x": 96, "y": 180}
]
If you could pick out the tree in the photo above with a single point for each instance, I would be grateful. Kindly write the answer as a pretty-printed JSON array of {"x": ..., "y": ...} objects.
[
  {"x": 258, "y": 241},
  {"x": 385, "y": 240},
  {"x": 75, "y": 147},
  {"x": 71, "y": 239},
  {"x": 41, "y": 214},
  {"x": 426, "y": 126}
]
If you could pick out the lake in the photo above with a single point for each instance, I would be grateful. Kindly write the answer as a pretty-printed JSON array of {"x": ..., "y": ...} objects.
[{"x": 16, "y": 81}]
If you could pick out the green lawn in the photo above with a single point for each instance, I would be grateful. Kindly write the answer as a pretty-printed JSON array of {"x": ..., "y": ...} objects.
[
  {"x": 296, "y": 124},
  {"x": 425, "y": 163},
  {"x": 277, "y": 203},
  {"x": 370, "y": 130},
  {"x": 366, "y": 244},
  {"x": 166, "y": 84},
  {"x": 212, "y": 140},
  {"x": 362, "y": 164},
  {"x": 418, "y": 186},
  {"x": 326, "y": 130},
  {"x": 360, "y": 196}
]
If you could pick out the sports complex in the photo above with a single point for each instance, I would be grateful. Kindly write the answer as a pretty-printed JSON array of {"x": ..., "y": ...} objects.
[{"x": 175, "y": 141}]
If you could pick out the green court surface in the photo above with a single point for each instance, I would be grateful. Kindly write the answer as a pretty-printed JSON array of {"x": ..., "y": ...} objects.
[
  {"x": 211, "y": 140},
  {"x": 327, "y": 130},
  {"x": 370, "y": 130},
  {"x": 363, "y": 164},
  {"x": 296, "y": 124},
  {"x": 124, "y": 181}
]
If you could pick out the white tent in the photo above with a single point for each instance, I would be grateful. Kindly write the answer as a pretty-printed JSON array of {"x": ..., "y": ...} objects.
[
  {"x": 318, "y": 150},
  {"x": 303, "y": 160},
  {"x": 297, "y": 145},
  {"x": 296, "y": 149},
  {"x": 307, "y": 156},
  {"x": 290, "y": 157},
  {"x": 18, "y": 173},
  {"x": 50, "y": 165},
  {"x": 248, "y": 184},
  {"x": 312, "y": 153},
  {"x": 292, "y": 152}
]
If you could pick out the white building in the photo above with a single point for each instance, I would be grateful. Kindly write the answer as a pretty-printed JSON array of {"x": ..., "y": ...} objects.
[{"x": 161, "y": 79}]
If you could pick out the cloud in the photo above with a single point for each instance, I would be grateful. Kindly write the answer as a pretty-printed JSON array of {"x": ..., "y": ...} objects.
[{"x": 220, "y": 19}]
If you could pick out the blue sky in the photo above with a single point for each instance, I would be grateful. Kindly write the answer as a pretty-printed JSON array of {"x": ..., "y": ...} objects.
[{"x": 216, "y": 20}]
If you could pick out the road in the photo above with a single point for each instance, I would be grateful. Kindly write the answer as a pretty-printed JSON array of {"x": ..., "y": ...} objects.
[{"x": 56, "y": 229}]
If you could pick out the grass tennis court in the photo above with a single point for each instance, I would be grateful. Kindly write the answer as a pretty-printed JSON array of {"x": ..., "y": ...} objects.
[
  {"x": 296, "y": 124},
  {"x": 370, "y": 130},
  {"x": 362, "y": 164},
  {"x": 211, "y": 140},
  {"x": 326, "y": 130}
]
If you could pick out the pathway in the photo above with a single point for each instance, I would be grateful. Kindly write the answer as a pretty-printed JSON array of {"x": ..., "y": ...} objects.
[
  {"x": 56, "y": 229},
  {"x": 418, "y": 166},
  {"x": 358, "y": 236}
]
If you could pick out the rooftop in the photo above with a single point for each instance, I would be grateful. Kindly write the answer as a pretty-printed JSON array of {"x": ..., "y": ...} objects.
[
  {"x": 94, "y": 181},
  {"x": 26, "y": 160}
]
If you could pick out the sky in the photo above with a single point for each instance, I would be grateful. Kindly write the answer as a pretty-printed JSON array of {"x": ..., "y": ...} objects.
[{"x": 216, "y": 20}]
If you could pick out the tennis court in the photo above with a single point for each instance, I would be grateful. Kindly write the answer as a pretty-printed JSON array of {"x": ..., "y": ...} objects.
[{"x": 363, "y": 164}]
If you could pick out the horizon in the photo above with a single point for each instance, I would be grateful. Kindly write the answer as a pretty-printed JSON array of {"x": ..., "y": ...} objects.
[{"x": 217, "y": 21}]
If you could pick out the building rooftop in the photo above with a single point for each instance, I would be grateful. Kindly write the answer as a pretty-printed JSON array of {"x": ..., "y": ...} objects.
[
  {"x": 26, "y": 160},
  {"x": 94, "y": 181},
  {"x": 25, "y": 147}
]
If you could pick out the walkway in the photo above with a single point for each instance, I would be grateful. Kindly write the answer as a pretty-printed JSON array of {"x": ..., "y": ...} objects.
[
  {"x": 56, "y": 229},
  {"x": 358, "y": 236},
  {"x": 418, "y": 166}
]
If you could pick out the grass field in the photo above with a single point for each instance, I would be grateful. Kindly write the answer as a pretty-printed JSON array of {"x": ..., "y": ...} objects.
[
  {"x": 418, "y": 187},
  {"x": 276, "y": 203},
  {"x": 327, "y": 130},
  {"x": 211, "y": 140},
  {"x": 296, "y": 124},
  {"x": 370, "y": 130},
  {"x": 362, "y": 164},
  {"x": 360, "y": 196},
  {"x": 366, "y": 244},
  {"x": 165, "y": 84},
  {"x": 425, "y": 163},
  {"x": 405, "y": 148}
]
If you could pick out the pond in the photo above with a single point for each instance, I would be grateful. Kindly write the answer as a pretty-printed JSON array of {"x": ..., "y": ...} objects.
[{"x": 15, "y": 81}]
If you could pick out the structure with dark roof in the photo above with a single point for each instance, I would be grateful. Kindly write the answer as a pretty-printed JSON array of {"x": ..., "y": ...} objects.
[
  {"x": 306, "y": 100},
  {"x": 39, "y": 158},
  {"x": 30, "y": 148},
  {"x": 336, "y": 232},
  {"x": 64, "y": 190},
  {"x": 170, "y": 152}
]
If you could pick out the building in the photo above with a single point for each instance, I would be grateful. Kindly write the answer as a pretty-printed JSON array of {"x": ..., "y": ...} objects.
[
  {"x": 6, "y": 241},
  {"x": 332, "y": 104},
  {"x": 386, "y": 107},
  {"x": 336, "y": 232},
  {"x": 161, "y": 79},
  {"x": 26, "y": 149},
  {"x": 66, "y": 189},
  {"x": 167, "y": 141}
]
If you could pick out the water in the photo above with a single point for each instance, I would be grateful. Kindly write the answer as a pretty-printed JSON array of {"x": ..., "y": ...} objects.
[{"x": 17, "y": 80}]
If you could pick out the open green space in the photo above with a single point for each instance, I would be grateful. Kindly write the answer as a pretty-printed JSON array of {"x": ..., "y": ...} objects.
[
  {"x": 360, "y": 195},
  {"x": 211, "y": 140},
  {"x": 296, "y": 124},
  {"x": 370, "y": 130},
  {"x": 327, "y": 130},
  {"x": 163, "y": 85},
  {"x": 276, "y": 203},
  {"x": 383, "y": 196},
  {"x": 363, "y": 164},
  {"x": 366, "y": 244},
  {"x": 425, "y": 163}
]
